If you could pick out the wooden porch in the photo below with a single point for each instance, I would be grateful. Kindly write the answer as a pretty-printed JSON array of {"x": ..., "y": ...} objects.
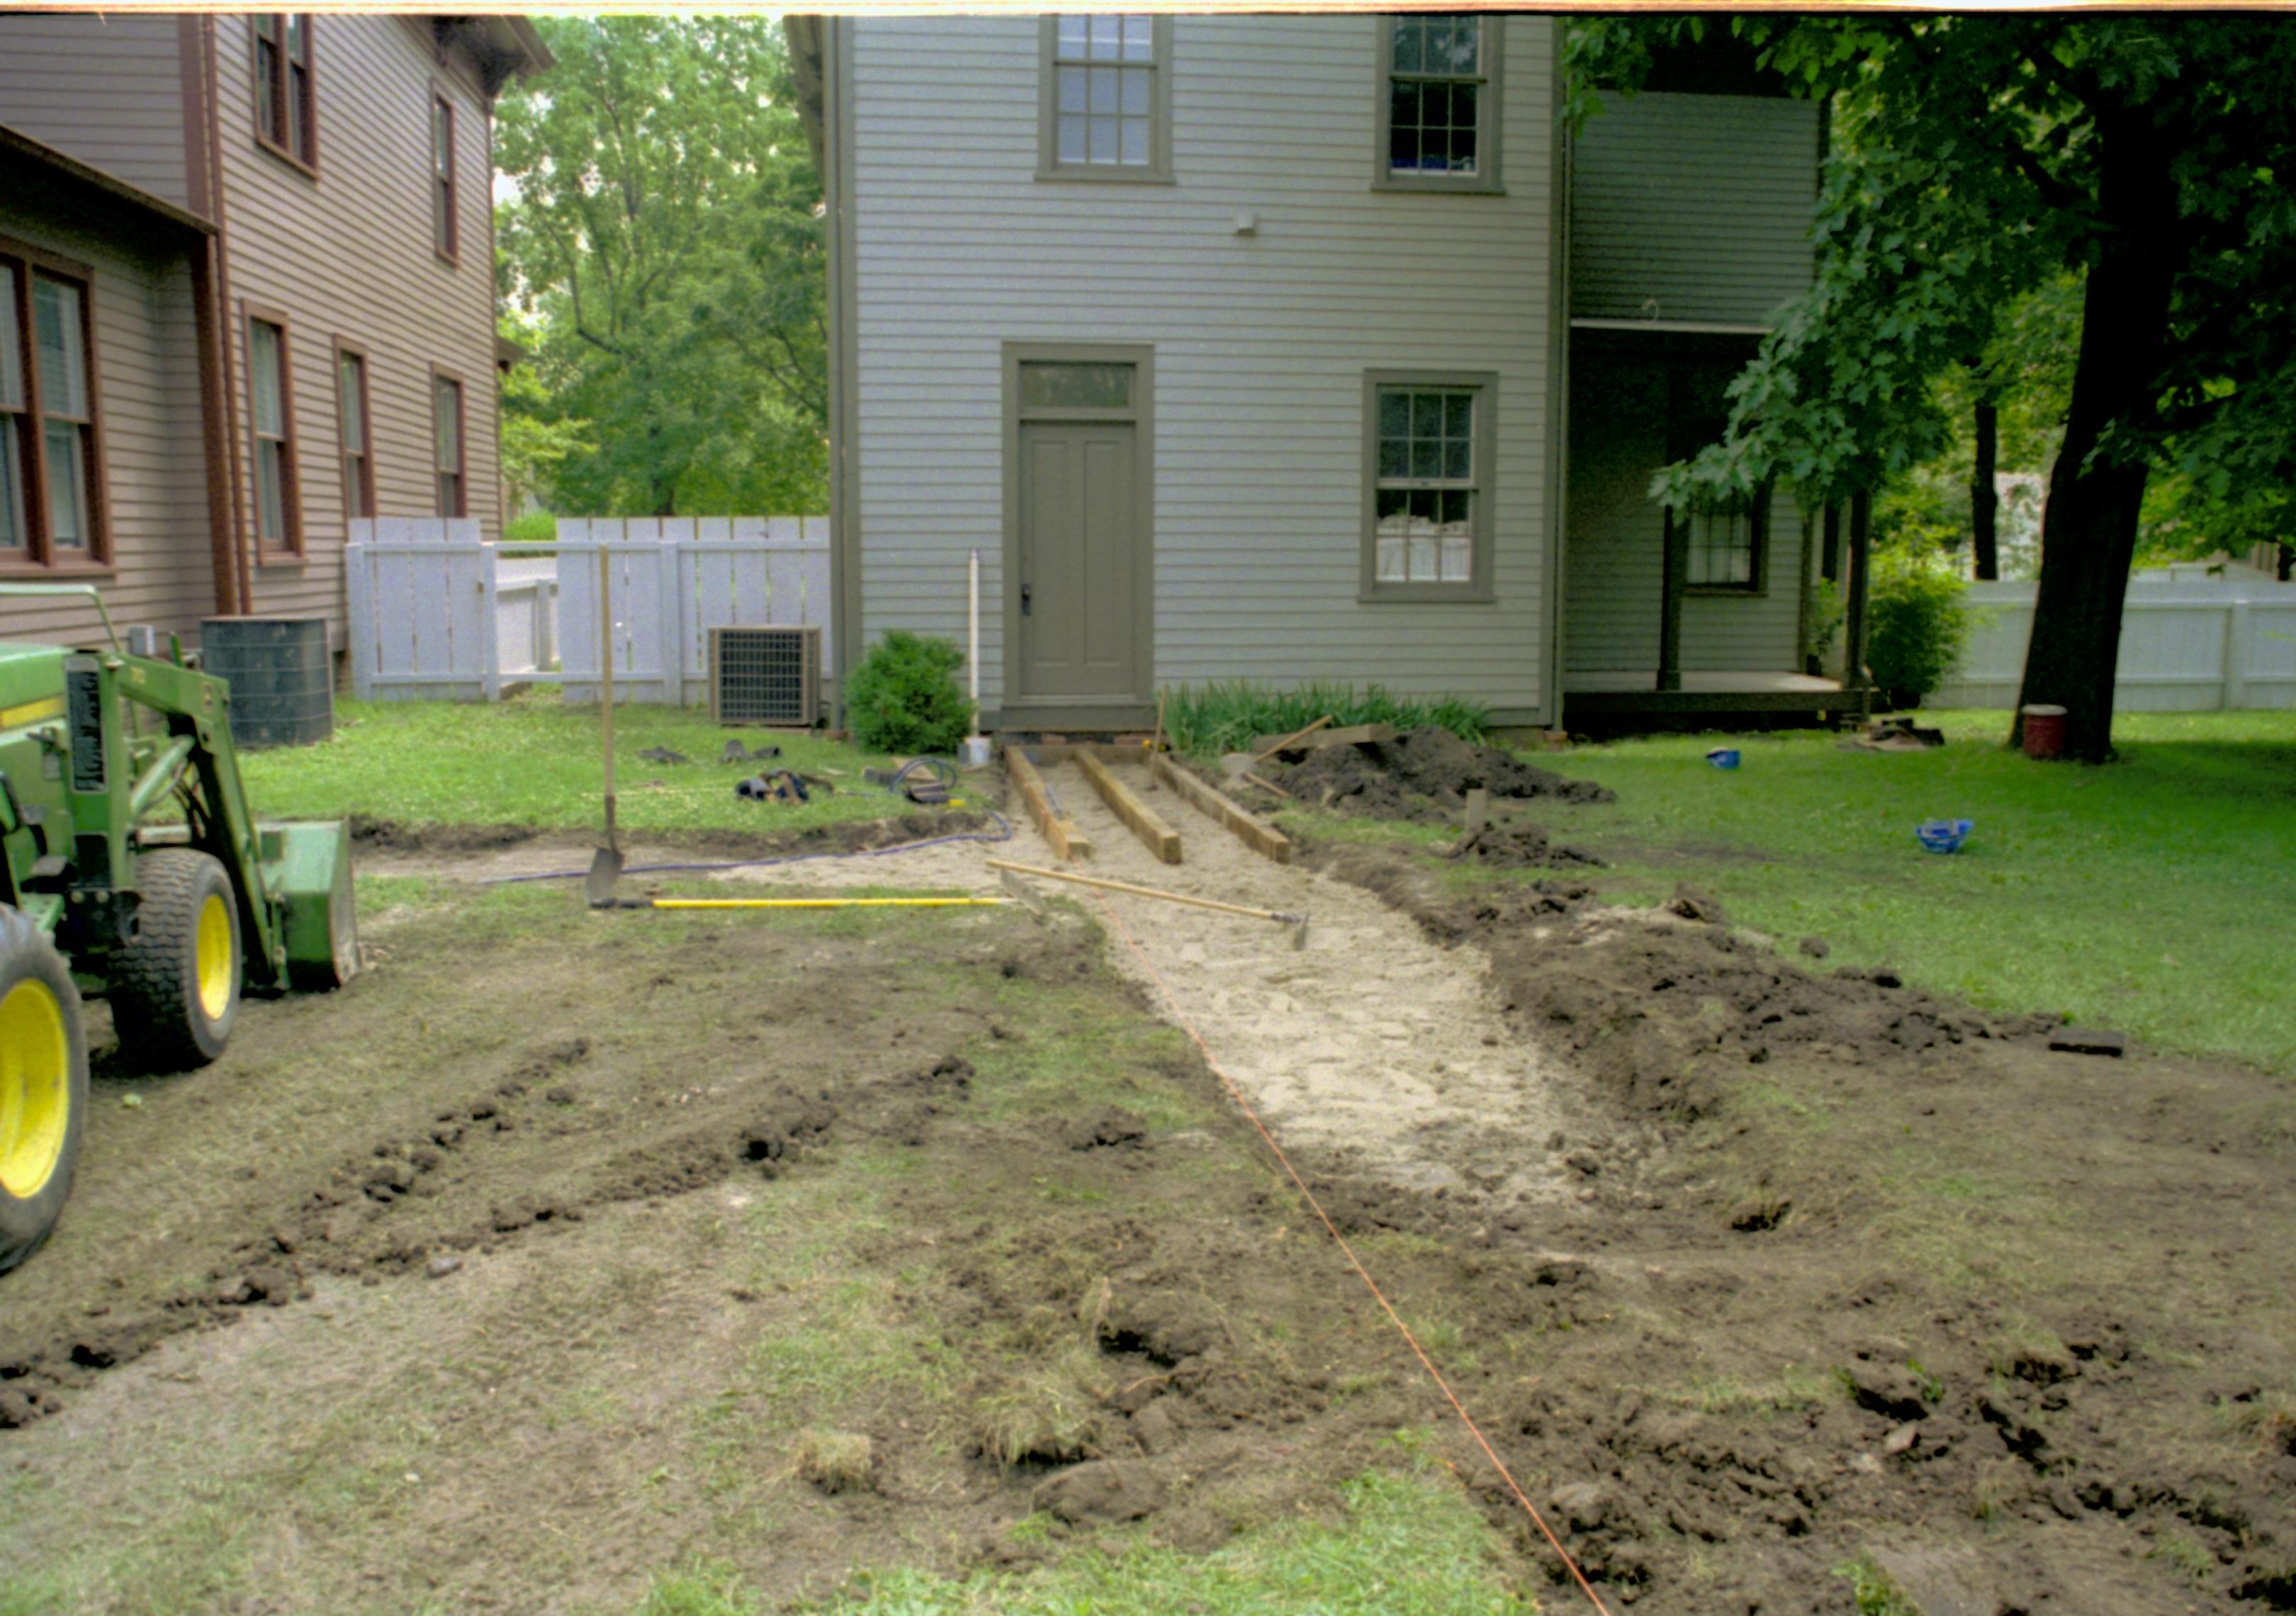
[{"x": 1631, "y": 695}]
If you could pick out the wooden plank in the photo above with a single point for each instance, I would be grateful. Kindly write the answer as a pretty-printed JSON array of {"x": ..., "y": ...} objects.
[
  {"x": 1268, "y": 744},
  {"x": 1157, "y": 837},
  {"x": 1354, "y": 735},
  {"x": 1067, "y": 839},
  {"x": 1069, "y": 752},
  {"x": 1256, "y": 834}
]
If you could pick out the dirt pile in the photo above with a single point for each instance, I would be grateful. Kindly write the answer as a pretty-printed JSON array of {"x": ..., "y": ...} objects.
[
  {"x": 1515, "y": 845},
  {"x": 1424, "y": 775}
]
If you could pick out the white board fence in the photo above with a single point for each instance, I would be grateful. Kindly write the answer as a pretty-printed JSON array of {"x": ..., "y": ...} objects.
[
  {"x": 2193, "y": 639},
  {"x": 437, "y": 611}
]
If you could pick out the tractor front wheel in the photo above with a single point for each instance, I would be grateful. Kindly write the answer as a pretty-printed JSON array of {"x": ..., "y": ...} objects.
[
  {"x": 43, "y": 1086},
  {"x": 174, "y": 990}
]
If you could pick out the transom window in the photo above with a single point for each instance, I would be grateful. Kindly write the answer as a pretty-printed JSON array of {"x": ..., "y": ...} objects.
[
  {"x": 50, "y": 502},
  {"x": 1429, "y": 444},
  {"x": 1439, "y": 115},
  {"x": 1106, "y": 98},
  {"x": 286, "y": 93}
]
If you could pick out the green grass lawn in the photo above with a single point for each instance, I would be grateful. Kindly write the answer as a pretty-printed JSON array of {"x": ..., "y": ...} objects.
[
  {"x": 2154, "y": 895},
  {"x": 535, "y": 759}
]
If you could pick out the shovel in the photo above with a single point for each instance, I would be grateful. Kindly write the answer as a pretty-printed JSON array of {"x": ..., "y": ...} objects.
[{"x": 606, "y": 863}]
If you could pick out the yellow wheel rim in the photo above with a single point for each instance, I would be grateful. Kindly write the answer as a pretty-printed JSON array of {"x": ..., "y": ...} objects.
[
  {"x": 214, "y": 957},
  {"x": 35, "y": 1088}
]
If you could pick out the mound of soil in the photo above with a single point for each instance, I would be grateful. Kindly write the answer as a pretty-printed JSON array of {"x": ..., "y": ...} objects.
[
  {"x": 1424, "y": 775},
  {"x": 1515, "y": 845}
]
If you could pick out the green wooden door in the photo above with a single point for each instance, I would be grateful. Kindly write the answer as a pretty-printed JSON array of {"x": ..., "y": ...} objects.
[{"x": 1079, "y": 535}]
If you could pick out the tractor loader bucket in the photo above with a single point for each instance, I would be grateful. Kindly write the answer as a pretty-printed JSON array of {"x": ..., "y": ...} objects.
[{"x": 307, "y": 866}]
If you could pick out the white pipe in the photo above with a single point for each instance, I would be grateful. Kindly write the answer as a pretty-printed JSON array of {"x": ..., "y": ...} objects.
[{"x": 973, "y": 642}]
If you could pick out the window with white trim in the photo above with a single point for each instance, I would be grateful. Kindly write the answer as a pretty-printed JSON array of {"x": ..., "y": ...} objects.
[
  {"x": 1106, "y": 97},
  {"x": 271, "y": 415}
]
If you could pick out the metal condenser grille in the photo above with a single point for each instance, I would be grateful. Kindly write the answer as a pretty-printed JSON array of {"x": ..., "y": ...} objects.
[{"x": 765, "y": 675}]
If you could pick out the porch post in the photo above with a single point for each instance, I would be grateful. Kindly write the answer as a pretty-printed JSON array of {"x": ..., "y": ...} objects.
[
  {"x": 1861, "y": 530},
  {"x": 1805, "y": 604},
  {"x": 1670, "y": 610}
]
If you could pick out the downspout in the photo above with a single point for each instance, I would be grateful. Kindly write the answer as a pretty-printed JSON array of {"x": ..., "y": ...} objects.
[
  {"x": 1561, "y": 179},
  {"x": 241, "y": 561},
  {"x": 215, "y": 436}
]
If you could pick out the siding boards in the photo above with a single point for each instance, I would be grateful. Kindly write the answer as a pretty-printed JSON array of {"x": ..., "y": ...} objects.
[
  {"x": 105, "y": 89},
  {"x": 1261, "y": 342},
  {"x": 154, "y": 477},
  {"x": 1614, "y": 578},
  {"x": 350, "y": 253},
  {"x": 1693, "y": 208}
]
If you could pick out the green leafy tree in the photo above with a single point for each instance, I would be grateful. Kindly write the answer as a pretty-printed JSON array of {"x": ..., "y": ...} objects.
[
  {"x": 1977, "y": 161},
  {"x": 663, "y": 248}
]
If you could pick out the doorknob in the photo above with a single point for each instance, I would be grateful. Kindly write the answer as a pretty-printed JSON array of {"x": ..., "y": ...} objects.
[{"x": 1025, "y": 593}]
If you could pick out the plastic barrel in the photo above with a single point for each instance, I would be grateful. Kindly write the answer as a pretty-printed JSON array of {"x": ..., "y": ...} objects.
[
  {"x": 283, "y": 681},
  {"x": 2045, "y": 730}
]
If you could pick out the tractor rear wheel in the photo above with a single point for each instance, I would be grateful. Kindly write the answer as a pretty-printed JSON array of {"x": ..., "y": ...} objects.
[
  {"x": 43, "y": 1086},
  {"x": 174, "y": 990}
]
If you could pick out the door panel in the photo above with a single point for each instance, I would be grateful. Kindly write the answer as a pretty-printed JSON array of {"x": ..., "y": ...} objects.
[{"x": 1079, "y": 536}]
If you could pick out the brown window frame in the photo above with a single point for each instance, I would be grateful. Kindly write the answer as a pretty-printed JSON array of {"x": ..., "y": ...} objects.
[
  {"x": 41, "y": 553},
  {"x": 291, "y": 131},
  {"x": 446, "y": 185},
  {"x": 462, "y": 502},
  {"x": 290, "y": 546},
  {"x": 358, "y": 480}
]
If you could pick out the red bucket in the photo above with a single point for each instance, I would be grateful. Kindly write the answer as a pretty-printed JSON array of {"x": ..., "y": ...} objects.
[{"x": 2045, "y": 730}]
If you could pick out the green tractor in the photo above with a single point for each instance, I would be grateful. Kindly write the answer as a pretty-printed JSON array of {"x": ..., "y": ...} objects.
[{"x": 130, "y": 866}]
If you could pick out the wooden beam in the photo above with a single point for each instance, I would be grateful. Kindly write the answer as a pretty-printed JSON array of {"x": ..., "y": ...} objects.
[
  {"x": 1269, "y": 745},
  {"x": 1103, "y": 884},
  {"x": 1069, "y": 752},
  {"x": 1354, "y": 735},
  {"x": 1157, "y": 837},
  {"x": 1067, "y": 839},
  {"x": 1256, "y": 834}
]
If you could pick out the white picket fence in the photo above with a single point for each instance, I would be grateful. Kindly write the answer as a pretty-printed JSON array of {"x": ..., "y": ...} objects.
[
  {"x": 437, "y": 611},
  {"x": 2193, "y": 637}
]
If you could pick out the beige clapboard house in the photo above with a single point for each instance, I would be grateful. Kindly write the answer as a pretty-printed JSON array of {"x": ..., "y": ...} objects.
[
  {"x": 246, "y": 294},
  {"x": 1301, "y": 347}
]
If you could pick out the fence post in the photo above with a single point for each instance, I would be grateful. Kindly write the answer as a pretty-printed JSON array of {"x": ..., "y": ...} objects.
[
  {"x": 2235, "y": 656},
  {"x": 489, "y": 625},
  {"x": 359, "y": 609}
]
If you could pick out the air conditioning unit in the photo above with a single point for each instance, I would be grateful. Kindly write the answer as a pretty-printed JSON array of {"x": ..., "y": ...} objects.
[{"x": 765, "y": 675}]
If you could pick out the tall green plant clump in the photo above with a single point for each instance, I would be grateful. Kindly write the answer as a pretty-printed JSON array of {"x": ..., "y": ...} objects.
[
  {"x": 905, "y": 696},
  {"x": 1229, "y": 717},
  {"x": 1917, "y": 619}
]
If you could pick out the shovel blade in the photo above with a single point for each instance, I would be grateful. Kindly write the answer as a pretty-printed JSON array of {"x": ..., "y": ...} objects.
[{"x": 605, "y": 872}]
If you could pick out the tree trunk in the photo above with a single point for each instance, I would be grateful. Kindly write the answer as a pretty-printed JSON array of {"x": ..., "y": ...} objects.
[
  {"x": 1859, "y": 559},
  {"x": 2089, "y": 534},
  {"x": 1984, "y": 504}
]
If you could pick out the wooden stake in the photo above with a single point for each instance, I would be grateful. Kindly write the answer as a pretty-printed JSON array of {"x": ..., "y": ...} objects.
[
  {"x": 1159, "y": 838},
  {"x": 1067, "y": 839},
  {"x": 1257, "y": 834},
  {"x": 1268, "y": 786},
  {"x": 1262, "y": 753},
  {"x": 1137, "y": 891}
]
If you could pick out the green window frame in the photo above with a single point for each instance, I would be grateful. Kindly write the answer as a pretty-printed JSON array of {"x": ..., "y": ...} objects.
[
  {"x": 1104, "y": 95},
  {"x": 1438, "y": 92},
  {"x": 1429, "y": 454}
]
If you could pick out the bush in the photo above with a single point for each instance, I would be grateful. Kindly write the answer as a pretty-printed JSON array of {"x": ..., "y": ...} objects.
[
  {"x": 1220, "y": 717},
  {"x": 534, "y": 528},
  {"x": 904, "y": 697},
  {"x": 1917, "y": 619}
]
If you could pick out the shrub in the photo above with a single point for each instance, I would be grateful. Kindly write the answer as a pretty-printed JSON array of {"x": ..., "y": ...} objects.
[
  {"x": 904, "y": 697},
  {"x": 1219, "y": 718},
  {"x": 534, "y": 528},
  {"x": 1917, "y": 620}
]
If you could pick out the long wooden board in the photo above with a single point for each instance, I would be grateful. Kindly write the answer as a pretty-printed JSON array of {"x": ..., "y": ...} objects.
[
  {"x": 1157, "y": 837},
  {"x": 1314, "y": 740},
  {"x": 1067, "y": 839},
  {"x": 1256, "y": 834}
]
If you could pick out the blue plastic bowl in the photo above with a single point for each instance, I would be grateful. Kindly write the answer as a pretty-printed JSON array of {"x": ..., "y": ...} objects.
[
  {"x": 1723, "y": 756},
  {"x": 1944, "y": 835}
]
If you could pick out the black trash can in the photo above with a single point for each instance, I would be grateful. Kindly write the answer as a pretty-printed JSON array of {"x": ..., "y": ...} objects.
[{"x": 283, "y": 682}]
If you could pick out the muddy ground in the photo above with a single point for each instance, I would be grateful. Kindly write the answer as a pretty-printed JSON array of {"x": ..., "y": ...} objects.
[{"x": 562, "y": 1248}]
